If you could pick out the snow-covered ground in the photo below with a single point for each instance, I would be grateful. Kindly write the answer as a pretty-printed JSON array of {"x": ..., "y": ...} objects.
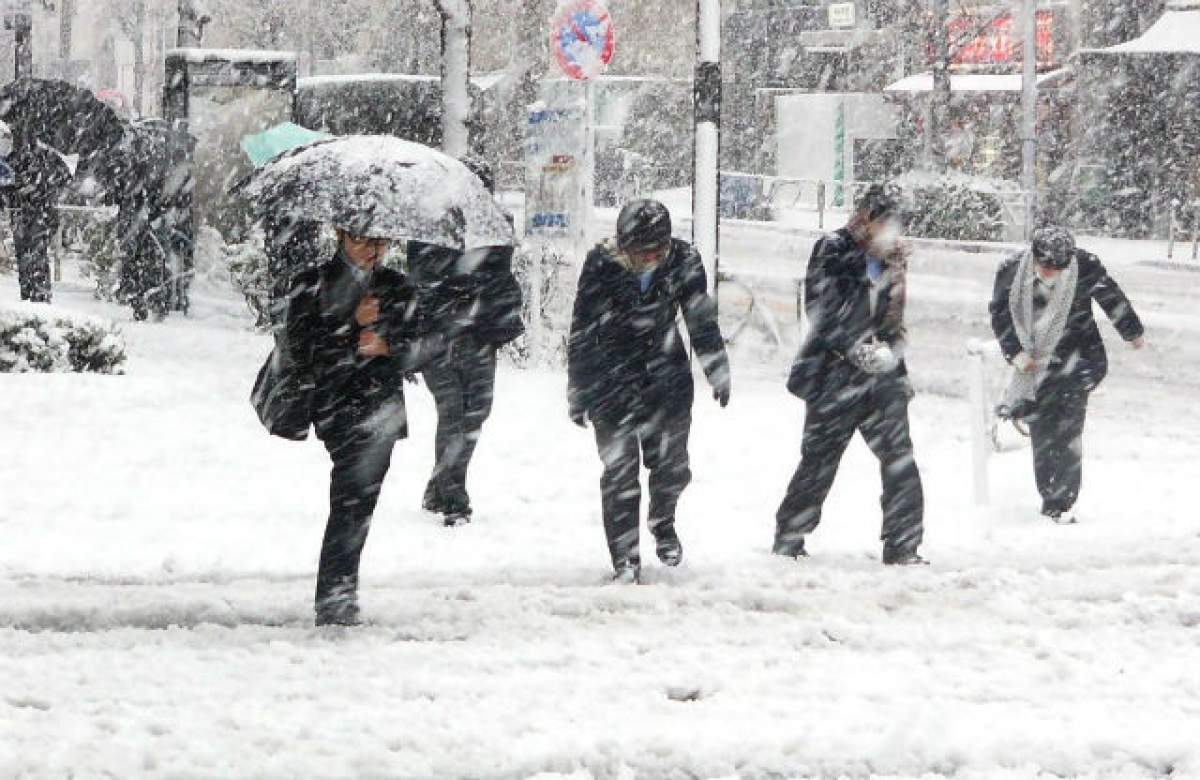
[{"x": 159, "y": 550}]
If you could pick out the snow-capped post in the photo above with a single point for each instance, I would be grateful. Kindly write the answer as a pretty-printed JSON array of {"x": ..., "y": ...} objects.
[
  {"x": 1029, "y": 109},
  {"x": 456, "y": 76},
  {"x": 977, "y": 399},
  {"x": 706, "y": 175}
]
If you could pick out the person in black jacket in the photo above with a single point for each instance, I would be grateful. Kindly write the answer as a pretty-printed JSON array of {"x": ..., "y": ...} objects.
[
  {"x": 41, "y": 174},
  {"x": 629, "y": 373},
  {"x": 1041, "y": 312},
  {"x": 851, "y": 373},
  {"x": 351, "y": 328},
  {"x": 475, "y": 297}
]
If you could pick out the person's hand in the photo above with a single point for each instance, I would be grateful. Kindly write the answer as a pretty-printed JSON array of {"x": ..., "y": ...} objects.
[
  {"x": 721, "y": 394},
  {"x": 579, "y": 417},
  {"x": 367, "y": 312},
  {"x": 371, "y": 344},
  {"x": 1138, "y": 343},
  {"x": 1025, "y": 363}
]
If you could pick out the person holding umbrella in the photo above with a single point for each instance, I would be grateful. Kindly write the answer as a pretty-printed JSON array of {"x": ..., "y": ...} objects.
[
  {"x": 57, "y": 128},
  {"x": 1041, "y": 311},
  {"x": 351, "y": 329}
]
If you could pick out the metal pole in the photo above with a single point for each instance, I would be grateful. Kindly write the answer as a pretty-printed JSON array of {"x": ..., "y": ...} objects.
[
  {"x": 456, "y": 76},
  {"x": 940, "y": 99},
  {"x": 23, "y": 44},
  {"x": 588, "y": 175},
  {"x": 706, "y": 94},
  {"x": 1029, "y": 108}
]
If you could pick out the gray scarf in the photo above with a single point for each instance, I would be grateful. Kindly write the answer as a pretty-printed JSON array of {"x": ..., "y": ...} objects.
[{"x": 1039, "y": 336}]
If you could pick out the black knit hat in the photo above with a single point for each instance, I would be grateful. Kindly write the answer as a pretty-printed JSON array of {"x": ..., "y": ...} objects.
[
  {"x": 1053, "y": 246},
  {"x": 879, "y": 201},
  {"x": 643, "y": 224}
]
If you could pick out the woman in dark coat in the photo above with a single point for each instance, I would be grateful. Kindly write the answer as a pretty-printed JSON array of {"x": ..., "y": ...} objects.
[{"x": 1041, "y": 312}]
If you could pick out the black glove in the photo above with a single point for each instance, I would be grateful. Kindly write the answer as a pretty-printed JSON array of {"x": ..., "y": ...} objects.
[
  {"x": 722, "y": 386},
  {"x": 579, "y": 417}
]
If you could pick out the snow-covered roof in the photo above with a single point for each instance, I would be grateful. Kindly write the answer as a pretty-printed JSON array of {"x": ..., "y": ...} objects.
[
  {"x": 1177, "y": 30},
  {"x": 196, "y": 56},
  {"x": 484, "y": 81},
  {"x": 969, "y": 82}
]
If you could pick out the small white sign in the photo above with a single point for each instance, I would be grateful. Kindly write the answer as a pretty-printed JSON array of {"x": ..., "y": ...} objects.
[{"x": 841, "y": 15}]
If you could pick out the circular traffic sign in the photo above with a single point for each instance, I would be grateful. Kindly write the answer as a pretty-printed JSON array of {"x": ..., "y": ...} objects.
[{"x": 582, "y": 38}]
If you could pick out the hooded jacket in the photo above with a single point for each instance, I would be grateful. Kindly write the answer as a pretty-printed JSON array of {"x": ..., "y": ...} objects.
[{"x": 626, "y": 359}]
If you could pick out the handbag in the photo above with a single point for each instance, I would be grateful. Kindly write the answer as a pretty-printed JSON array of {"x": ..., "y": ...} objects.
[{"x": 282, "y": 396}]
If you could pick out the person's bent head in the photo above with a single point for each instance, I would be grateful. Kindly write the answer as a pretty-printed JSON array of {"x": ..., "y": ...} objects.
[
  {"x": 879, "y": 213},
  {"x": 1053, "y": 248},
  {"x": 644, "y": 232}
]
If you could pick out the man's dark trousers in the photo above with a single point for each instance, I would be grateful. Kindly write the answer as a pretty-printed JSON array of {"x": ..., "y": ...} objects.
[
  {"x": 1056, "y": 430},
  {"x": 33, "y": 231},
  {"x": 878, "y": 409},
  {"x": 662, "y": 442},
  {"x": 462, "y": 384},
  {"x": 361, "y": 457}
]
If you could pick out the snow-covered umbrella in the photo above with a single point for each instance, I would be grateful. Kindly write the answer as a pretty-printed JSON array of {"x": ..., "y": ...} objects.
[{"x": 381, "y": 186}]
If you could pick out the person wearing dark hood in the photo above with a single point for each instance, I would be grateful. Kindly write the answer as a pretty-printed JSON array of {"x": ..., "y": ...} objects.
[
  {"x": 851, "y": 373},
  {"x": 630, "y": 375},
  {"x": 351, "y": 330},
  {"x": 476, "y": 297},
  {"x": 1041, "y": 312}
]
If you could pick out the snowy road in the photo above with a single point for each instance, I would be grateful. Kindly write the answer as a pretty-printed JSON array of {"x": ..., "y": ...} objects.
[{"x": 158, "y": 554}]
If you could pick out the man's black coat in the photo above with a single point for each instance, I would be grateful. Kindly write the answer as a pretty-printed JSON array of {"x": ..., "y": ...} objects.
[
  {"x": 626, "y": 357},
  {"x": 322, "y": 337},
  {"x": 838, "y": 307}
]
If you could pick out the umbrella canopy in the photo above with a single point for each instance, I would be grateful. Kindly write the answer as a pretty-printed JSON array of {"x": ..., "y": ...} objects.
[
  {"x": 264, "y": 146},
  {"x": 381, "y": 186},
  {"x": 59, "y": 115}
]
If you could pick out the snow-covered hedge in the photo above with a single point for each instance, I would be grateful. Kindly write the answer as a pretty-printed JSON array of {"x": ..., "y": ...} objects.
[
  {"x": 39, "y": 338},
  {"x": 956, "y": 206}
]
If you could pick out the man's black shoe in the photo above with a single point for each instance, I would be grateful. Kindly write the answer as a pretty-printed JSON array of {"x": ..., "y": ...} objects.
[
  {"x": 339, "y": 612},
  {"x": 903, "y": 558},
  {"x": 796, "y": 551},
  {"x": 667, "y": 544}
]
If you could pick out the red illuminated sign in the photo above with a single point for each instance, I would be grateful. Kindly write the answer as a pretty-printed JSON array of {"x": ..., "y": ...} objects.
[{"x": 997, "y": 42}]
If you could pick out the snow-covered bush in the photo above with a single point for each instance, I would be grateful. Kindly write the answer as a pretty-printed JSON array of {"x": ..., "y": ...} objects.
[
  {"x": 956, "y": 206},
  {"x": 37, "y": 338}
]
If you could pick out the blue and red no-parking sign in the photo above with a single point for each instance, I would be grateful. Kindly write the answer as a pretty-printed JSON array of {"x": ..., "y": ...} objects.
[{"x": 582, "y": 38}]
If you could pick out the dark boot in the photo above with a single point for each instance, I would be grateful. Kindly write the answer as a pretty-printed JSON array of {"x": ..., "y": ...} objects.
[
  {"x": 903, "y": 558},
  {"x": 627, "y": 572},
  {"x": 666, "y": 542},
  {"x": 794, "y": 549},
  {"x": 339, "y": 607}
]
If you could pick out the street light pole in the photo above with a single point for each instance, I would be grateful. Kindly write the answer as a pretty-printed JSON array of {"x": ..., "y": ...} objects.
[
  {"x": 456, "y": 76},
  {"x": 940, "y": 99}
]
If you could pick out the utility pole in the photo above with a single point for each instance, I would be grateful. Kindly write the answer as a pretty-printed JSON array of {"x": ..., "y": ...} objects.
[
  {"x": 940, "y": 99},
  {"x": 1029, "y": 109},
  {"x": 66, "y": 20}
]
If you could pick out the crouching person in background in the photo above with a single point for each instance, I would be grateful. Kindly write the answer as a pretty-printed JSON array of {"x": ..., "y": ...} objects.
[
  {"x": 351, "y": 325},
  {"x": 629, "y": 373}
]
